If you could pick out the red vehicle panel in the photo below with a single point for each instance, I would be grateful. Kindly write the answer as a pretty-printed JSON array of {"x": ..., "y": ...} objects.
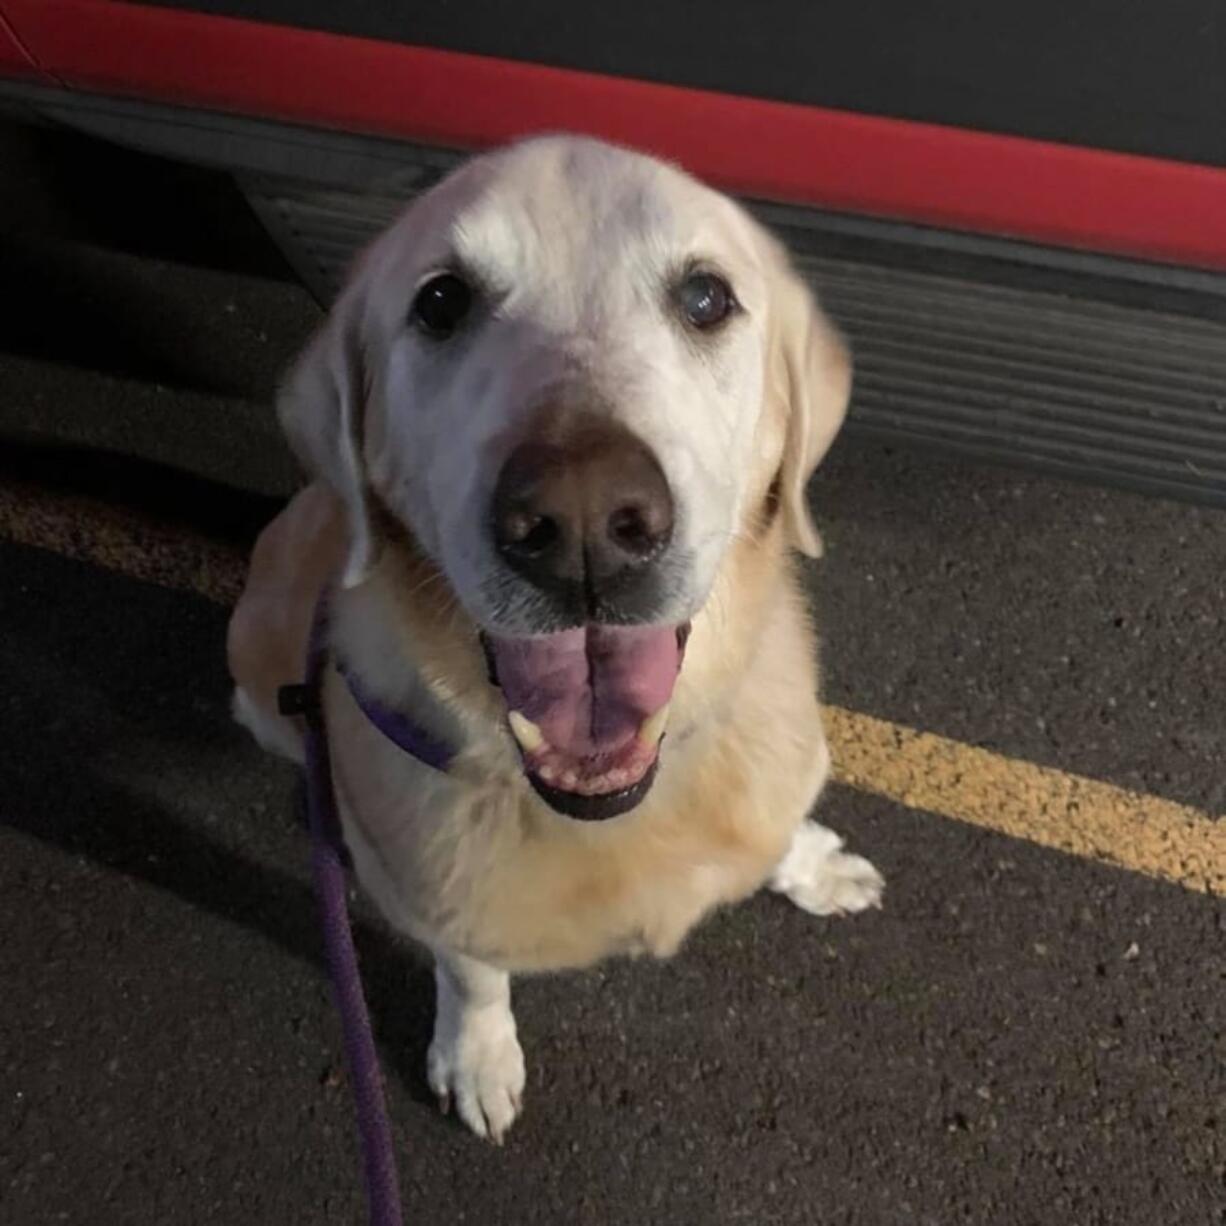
[
  {"x": 15, "y": 61},
  {"x": 926, "y": 173}
]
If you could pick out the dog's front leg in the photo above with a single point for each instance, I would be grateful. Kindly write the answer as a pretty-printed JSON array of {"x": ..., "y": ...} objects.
[
  {"x": 475, "y": 1060},
  {"x": 823, "y": 879},
  {"x": 816, "y": 873}
]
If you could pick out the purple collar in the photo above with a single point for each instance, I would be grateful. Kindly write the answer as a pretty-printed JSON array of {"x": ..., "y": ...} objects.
[{"x": 398, "y": 727}]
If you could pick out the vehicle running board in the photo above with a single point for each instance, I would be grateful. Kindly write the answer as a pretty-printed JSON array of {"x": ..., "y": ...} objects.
[
  {"x": 1085, "y": 388},
  {"x": 1066, "y": 362}
]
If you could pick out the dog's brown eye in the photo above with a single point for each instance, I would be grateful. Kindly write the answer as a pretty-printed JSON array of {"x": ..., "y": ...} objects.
[
  {"x": 705, "y": 299},
  {"x": 441, "y": 305}
]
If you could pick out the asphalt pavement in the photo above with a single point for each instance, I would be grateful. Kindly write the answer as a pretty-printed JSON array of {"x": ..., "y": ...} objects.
[{"x": 1019, "y": 1037}]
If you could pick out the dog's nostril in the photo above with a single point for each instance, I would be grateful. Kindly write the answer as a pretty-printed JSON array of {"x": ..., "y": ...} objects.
[
  {"x": 527, "y": 534},
  {"x": 636, "y": 531},
  {"x": 541, "y": 536}
]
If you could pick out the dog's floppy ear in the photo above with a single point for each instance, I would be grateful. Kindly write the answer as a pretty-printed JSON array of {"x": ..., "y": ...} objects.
[
  {"x": 813, "y": 367},
  {"x": 321, "y": 407}
]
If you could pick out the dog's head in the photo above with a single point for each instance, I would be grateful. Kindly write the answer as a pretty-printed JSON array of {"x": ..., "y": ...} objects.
[{"x": 575, "y": 376}]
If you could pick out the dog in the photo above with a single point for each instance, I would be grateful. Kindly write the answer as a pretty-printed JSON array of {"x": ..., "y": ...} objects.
[{"x": 559, "y": 426}]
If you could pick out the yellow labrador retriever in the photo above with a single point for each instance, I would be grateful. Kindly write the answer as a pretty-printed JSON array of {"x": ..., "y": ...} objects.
[{"x": 560, "y": 424}]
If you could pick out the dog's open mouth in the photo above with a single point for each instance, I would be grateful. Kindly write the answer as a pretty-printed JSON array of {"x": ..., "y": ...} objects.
[{"x": 589, "y": 708}]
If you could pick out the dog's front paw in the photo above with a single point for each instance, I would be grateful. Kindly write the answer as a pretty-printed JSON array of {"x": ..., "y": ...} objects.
[
  {"x": 475, "y": 1062},
  {"x": 818, "y": 876}
]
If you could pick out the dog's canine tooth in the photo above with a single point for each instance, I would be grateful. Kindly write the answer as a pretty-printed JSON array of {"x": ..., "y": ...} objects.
[
  {"x": 653, "y": 727},
  {"x": 526, "y": 732}
]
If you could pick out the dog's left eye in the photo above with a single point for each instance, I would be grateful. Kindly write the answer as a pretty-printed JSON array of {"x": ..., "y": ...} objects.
[
  {"x": 441, "y": 305},
  {"x": 705, "y": 299}
]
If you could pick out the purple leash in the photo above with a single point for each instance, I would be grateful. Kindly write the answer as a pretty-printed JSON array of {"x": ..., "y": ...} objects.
[{"x": 328, "y": 869}]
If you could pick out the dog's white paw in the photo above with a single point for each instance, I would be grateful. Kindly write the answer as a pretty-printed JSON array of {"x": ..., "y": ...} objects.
[
  {"x": 475, "y": 1062},
  {"x": 818, "y": 876}
]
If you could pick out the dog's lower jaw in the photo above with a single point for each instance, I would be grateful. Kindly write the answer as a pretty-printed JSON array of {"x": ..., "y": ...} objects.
[{"x": 596, "y": 808}]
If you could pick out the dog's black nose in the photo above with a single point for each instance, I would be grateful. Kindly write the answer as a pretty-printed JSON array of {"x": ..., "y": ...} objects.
[{"x": 583, "y": 503}]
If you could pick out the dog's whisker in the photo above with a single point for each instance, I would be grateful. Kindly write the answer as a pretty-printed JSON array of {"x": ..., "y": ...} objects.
[{"x": 435, "y": 578}]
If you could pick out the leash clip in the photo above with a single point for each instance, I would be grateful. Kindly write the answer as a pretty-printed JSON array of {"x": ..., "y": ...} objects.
[{"x": 299, "y": 700}]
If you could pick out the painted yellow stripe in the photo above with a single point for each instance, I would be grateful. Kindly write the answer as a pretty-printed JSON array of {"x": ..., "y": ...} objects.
[
  {"x": 124, "y": 541},
  {"x": 920, "y": 770},
  {"x": 1067, "y": 812}
]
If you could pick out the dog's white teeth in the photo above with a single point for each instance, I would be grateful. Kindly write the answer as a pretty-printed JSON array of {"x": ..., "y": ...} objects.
[
  {"x": 569, "y": 780},
  {"x": 548, "y": 773},
  {"x": 653, "y": 727},
  {"x": 526, "y": 732}
]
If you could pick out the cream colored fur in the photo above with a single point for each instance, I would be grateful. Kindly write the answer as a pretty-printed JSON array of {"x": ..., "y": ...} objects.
[{"x": 471, "y": 862}]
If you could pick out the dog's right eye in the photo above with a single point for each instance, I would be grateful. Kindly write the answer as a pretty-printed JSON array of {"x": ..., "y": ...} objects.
[
  {"x": 706, "y": 300},
  {"x": 441, "y": 305}
]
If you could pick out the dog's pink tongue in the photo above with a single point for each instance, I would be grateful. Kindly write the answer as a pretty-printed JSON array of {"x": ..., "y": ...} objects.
[{"x": 589, "y": 690}]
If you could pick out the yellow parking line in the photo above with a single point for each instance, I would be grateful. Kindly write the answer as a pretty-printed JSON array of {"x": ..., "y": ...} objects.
[
  {"x": 124, "y": 541},
  {"x": 919, "y": 770},
  {"x": 1050, "y": 807}
]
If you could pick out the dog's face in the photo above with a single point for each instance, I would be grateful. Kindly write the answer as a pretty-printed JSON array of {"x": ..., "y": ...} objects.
[{"x": 574, "y": 375}]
